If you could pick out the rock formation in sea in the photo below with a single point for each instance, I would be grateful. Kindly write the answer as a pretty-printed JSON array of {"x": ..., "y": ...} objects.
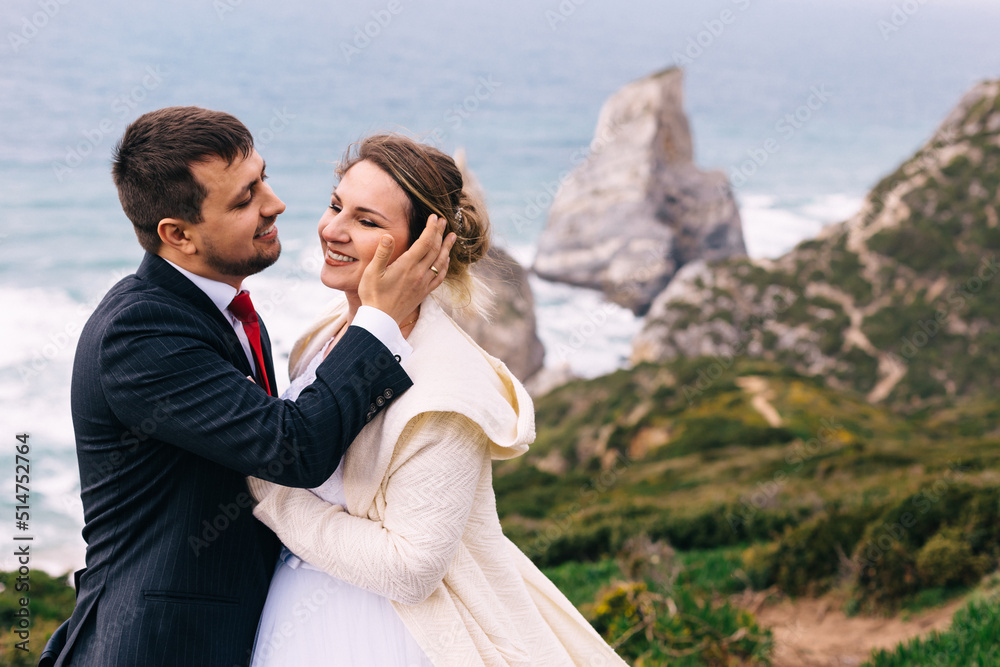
[
  {"x": 637, "y": 208},
  {"x": 510, "y": 332},
  {"x": 900, "y": 302}
]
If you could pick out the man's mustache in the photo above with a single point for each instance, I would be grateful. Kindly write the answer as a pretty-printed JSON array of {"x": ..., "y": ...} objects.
[{"x": 267, "y": 223}]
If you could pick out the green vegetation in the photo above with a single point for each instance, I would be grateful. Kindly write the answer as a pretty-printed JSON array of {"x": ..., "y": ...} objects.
[
  {"x": 580, "y": 582},
  {"x": 897, "y": 509},
  {"x": 657, "y": 606},
  {"x": 652, "y": 628},
  {"x": 51, "y": 602},
  {"x": 944, "y": 536},
  {"x": 971, "y": 641}
]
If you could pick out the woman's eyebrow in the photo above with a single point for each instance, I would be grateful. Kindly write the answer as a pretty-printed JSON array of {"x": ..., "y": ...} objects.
[{"x": 363, "y": 209}]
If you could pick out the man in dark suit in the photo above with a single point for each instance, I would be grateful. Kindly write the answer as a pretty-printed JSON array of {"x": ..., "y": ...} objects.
[{"x": 168, "y": 422}]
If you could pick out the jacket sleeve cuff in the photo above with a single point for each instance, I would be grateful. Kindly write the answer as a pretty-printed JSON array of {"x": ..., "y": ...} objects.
[{"x": 383, "y": 327}]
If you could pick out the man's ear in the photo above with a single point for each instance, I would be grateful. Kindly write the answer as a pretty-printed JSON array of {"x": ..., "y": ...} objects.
[{"x": 175, "y": 233}]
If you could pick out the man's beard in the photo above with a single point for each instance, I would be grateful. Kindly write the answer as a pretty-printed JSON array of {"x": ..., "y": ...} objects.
[{"x": 244, "y": 267}]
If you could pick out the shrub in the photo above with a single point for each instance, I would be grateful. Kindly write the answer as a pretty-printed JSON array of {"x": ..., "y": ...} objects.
[
  {"x": 648, "y": 628},
  {"x": 913, "y": 245},
  {"x": 705, "y": 433},
  {"x": 581, "y": 541},
  {"x": 532, "y": 493},
  {"x": 702, "y": 530},
  {"x": 886, "y": 579},
  {"x": 651, "y": 619},
  {"x": 760, "y": 561},
  {"x": 723, "y": 525},
  {"x": 944, "y": 536},
  {"x": 808, "y": 557},
  {"x": 937, "y": 518},
  {"x": 947, "y": 560}
]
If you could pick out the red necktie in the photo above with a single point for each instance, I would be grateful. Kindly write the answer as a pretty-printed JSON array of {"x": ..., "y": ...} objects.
[{"x": 242, "y": 308}]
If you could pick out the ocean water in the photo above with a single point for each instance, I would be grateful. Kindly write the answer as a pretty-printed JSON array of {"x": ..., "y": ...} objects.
[{"x": 805, "y": 104}]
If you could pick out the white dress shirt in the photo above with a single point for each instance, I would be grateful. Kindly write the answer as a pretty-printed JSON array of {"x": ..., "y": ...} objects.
[{"x": 371, "y": 319}]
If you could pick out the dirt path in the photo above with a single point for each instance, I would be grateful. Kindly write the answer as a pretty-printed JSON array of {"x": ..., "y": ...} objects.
[
  {"x": 816, "y": 633},
  {"x": 762, "y": 394}
]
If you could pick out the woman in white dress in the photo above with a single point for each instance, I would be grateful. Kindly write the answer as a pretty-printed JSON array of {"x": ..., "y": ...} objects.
[{"x": 398, "y": 560}]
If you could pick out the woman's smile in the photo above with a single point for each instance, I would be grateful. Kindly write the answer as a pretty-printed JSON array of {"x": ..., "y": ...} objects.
[{"x": 336, "y": 258}]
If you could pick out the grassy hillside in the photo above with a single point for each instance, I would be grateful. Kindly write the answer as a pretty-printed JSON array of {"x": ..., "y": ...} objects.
[{"x": 822, "y": 488}]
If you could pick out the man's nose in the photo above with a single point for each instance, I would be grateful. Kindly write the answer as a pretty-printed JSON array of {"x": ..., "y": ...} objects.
[{"x": 274, "y": 206}]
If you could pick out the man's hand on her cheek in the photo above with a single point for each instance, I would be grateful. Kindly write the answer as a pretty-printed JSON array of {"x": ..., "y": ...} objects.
[{"x": 398, "y": 288}]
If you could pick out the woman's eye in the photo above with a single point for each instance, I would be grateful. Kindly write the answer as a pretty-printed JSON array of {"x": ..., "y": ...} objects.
[
  {"x": 335, "y": 207},
  {"x": 368, "y": 223}
]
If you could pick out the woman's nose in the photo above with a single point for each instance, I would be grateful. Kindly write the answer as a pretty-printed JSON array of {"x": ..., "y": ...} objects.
[{"x": 332, "y": 227}]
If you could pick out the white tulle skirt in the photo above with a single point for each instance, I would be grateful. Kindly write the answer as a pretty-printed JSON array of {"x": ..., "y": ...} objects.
[{"x": 312, "y": 618}]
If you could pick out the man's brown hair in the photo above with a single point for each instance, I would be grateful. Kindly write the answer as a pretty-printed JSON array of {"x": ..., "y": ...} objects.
[{"x": 151, "y": 166}]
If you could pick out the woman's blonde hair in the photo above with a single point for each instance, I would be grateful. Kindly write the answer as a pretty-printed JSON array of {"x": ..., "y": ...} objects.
[{"x": 433, "y": 184}]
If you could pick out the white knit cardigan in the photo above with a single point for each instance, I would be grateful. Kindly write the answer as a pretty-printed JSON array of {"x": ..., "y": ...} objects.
[{"x": 421, "y": 525}]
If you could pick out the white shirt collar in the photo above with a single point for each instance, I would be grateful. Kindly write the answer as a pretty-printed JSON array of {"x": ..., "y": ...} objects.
[{"x": 221, "y": 294}]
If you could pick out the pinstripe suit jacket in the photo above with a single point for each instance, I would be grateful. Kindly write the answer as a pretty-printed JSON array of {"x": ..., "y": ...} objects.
[{"x": 167, "y": 428}]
